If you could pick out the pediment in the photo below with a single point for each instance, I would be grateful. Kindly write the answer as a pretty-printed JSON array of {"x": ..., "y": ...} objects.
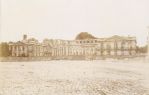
[{"x": 116, "y": 37}]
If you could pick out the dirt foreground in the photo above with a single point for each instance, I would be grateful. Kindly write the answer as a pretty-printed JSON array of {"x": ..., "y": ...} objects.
[{"x": 74, "y": 78}]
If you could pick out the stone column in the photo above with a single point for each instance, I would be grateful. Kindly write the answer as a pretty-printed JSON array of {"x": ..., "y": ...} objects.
[
  {"x": 115, "y": 48},
  {"x": 13, "y": 50},
  {"x": 17, "y": 49},
  {"x": 148, "y": 45}
]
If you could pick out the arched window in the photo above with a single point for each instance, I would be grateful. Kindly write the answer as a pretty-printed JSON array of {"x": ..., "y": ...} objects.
[
  {"x": 108, "y": 49},
  {"x": 123, "y": 45}
]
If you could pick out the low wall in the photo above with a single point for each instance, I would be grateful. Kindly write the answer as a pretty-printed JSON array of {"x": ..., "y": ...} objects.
[{"x": 14, "y": 59}]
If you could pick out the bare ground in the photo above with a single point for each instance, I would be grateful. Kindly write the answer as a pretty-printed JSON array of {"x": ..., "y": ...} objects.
[{"x": 74, "y": 78}]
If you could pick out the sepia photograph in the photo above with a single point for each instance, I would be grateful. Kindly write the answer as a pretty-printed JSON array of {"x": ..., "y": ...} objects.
[{"x": 74, "y": 47}]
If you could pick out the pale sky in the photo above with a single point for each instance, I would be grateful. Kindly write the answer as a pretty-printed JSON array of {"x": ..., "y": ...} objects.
[{"x": 64, "y": 19}]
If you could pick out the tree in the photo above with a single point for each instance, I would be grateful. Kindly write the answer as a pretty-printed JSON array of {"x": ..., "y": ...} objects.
[
  {"x": 142, "y": 49},
  {"x": 4, "y": 50}
]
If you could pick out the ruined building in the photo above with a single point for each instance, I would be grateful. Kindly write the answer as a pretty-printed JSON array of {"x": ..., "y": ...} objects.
[{"x": 115, "y": 46}]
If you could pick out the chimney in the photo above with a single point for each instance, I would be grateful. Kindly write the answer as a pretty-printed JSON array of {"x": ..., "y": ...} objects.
[{"x": 24, "y": 37}]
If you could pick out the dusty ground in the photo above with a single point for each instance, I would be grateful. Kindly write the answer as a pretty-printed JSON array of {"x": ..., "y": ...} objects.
[{"x": 74, "y": 78}]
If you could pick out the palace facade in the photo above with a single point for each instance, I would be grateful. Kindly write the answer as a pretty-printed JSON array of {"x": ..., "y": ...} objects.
[{"x": 115, "y": 46}]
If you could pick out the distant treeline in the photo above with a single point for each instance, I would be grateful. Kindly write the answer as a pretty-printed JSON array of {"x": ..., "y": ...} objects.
[{"x": 4, "y": 50}]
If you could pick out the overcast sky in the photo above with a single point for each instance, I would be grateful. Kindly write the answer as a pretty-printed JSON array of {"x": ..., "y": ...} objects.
[{"x": 64, "y": 19}]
